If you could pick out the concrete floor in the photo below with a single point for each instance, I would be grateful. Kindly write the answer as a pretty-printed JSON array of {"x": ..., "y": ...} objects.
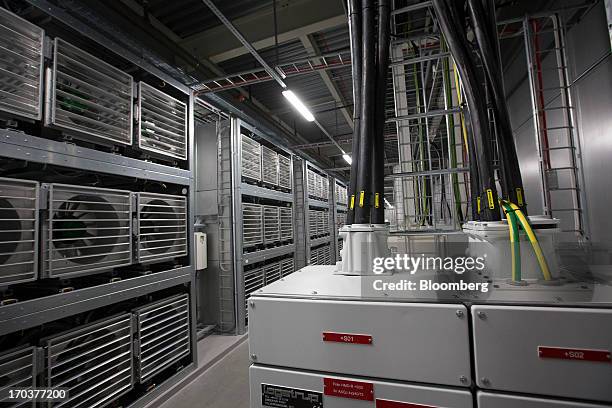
[{"x": 225, "y": 384}]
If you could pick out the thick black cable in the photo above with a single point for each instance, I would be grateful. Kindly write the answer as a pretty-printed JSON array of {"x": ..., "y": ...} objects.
[{"x": 355, "y": 29}]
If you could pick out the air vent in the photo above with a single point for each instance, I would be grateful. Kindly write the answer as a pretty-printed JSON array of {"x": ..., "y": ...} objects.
[
  {"x": 272, "y": 272},
  {"x": 89, "y": 96},
  {"x": 162, "y": 124},
  {"x": 284, "y": 172},
  {"x": 313, "y": 217},
  {"x": 287, "y": 267},
  {"x": 21, "y": 66},
  {"x": 311, "y": 180},
  {"x": 269, "y": 160},
  {"x": 323, "y": 223},
  {"x": 286, "y": 223},
  {"x": 253, "y": 280},
  {"x": 314, "y": 256},
  {"x": 18, "y": 231},
  {"x": 271, "y": 224},
  {"x": 163, "y": 335},
  {"x": 87, "y": 230},
  {"x": 251, "y": 159},
  {"x": 252, "y": 228},
  {"x": 162, "y": 227},
  {"x": 17, "y": 370},
  {"x": 93, "y": 362}
]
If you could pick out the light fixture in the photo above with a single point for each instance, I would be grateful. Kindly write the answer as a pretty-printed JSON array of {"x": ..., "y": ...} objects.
[
  {"x": 347, "y": 158},
  {"x": 298, "y": 105},
  {"x": 388, "y": 203}
]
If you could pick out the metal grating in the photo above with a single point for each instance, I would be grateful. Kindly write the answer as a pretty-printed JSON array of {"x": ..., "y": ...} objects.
[
  {"x": 253, "y": 280},
  {"x": 341, "y": 195},
  {"x": 284, "y": 172},
  {"x": 93, "y": 362},
  {"x": 311, "y": 181},
  {"x": 312, "y": 222},
  {"x": 323, "y": 223},
  {"x": 162, "y": 123},
  {"x": 89, "y": 96},
  {"x": 163, "y": 335},
  {"x": 314, "y": 256},
  {"x": 251, "y": 158},
  {"x": 272, "y": 272},
  {"x": 18, "y": 231},
  {"x": 286, "y": 223},
  {"x": 269, "y": 160},
  {"x": 162, "y": 227},
  {"x": 21, "y": 66},
  {"x": 271, "y": 224},
  {"x": 87, "y": 230},
  {"x": 17, "y": 370},
  {"x": 287, "y": 267},
  {"x": 252, "y": 225}
]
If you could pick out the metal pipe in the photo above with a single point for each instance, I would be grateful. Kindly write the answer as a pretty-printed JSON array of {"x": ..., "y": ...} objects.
[{"x": 355, "y": 30}]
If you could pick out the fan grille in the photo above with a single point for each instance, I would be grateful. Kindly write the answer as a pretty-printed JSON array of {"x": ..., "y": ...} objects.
[
  {"x": 284, "y": 171},
  {"x": 162, "y": 124},
  {"x": 286, "y": 224},
  {"x": 17, "y": 370},
  {"x": 94, "y": 363},
  {"x": 270, "y": 165},
  {"x": 252, "y": 220},
  {"x": 163, "y": 335},
  {"x": 21, "y": 66},
  {"x": 272, "y": 272},
  {"x": 287, "y": 267},
  {"x": 251, "y": 158},
  {"x": 253, "y": 280},
  {"x": 90, "y": 96},
  {"x": 271, "y": 224},
  {"x": 18, "y": 231},
  {"x": 162, "y": 227}
]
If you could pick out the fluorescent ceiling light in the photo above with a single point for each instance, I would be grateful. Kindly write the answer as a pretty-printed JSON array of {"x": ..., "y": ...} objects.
[
  {"x": 388, "y": 203},
  {"x": 347, "y": 158},
  {"x": 298, "y": 105}
]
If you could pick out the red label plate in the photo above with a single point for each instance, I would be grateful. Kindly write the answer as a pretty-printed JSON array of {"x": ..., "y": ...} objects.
[
  {"x": 358, "y": 390},
  {"x": 396, "y": 404},
  {"x": 600, "y": 356},
  {"x": 347, "y": 338}
]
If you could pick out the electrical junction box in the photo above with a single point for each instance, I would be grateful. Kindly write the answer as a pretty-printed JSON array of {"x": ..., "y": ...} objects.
[
  {"x": 201, "y": 247},
  {"x": 281, "y": 388},
  {"x": 405, "y": 341},
  {"x": 556, "y": 351},
  {"x": 491, "y": 400}
]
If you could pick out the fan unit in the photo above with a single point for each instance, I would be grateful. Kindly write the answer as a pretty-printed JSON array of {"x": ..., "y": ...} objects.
[
  {"x": 163, "y": 335},
  {"x": 324, "y": 188},
  {"x": 287, "y": 267},
  {"x": 284, "y": 171},
  {"x": 312, "y": 222},
  {"x": 272, "y": 272},
  {"x": 21, "y": 66},
  {"x": 87, "y": 230},
  {"x": 251, "y": 159},
  {"x": 269, "y": 160},
  {"x": 162, "y": 123},
  {"x": 311, "y": 181},
  {"x": 286, "y": 223},
  {"x": 253, "y": 280},
  {"x": 93, "y": 362},
  {"x": 323, "y": 224},
  {"x": 252, "y": 225},
  {"x": 18, "y": 231},
  {"x": 89, "y": 96},
  {"x": 17, "y": 370},
  {"x": 271, "y": 224},
  {"x": 314, "y": 256},
  {"x": 162, "y": 227}
]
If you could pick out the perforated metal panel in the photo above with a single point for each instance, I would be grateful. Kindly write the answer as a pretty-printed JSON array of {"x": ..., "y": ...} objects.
[
  {"x": 272, "y": 272},
  {"x": 18, "y": 231},
  {"x": 162, "y": 227},
  {"x": 286, "y": 223},
  {"x": 252, "y": 225},
  {"x": 271, "y": 224},
  {"x": 94, "y": 362},
  {"x": 89, "y": 96},
  {"x": 163, "y": 336},
  {"x": 17, "y": 370},
  {"x": 21, "y": 66},
  {"x": 284, "y": 171},
  {"x": 287, "y": 267},
  {"x": 253, "y": 280},
  {"x": 86, "y": 230},
  {"x": 251, "y": 158},
  {"x": 269, "y": 160},
  {"x": 162, "y": 124}
]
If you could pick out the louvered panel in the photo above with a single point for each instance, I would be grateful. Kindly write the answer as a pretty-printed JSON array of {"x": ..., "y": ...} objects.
[
  {"x": 93, "y": 362},
  {"x": 340, "y": 246},
  {"x": 89, "y": 96},
  {"x": 313, "y": 217},
  {"x": 272, "y": 272},
  {"x": 17, "y": 370},
  {"x": 162, "y": 227},
  {"x": 251, "y": 158},
  {"x": 325, "y": 223},
  {"x": 341, "y": 219},
  {"x": 314, "y": 256},
  {"x": 21, "y": 66},
  {"x": 327, "y": 255},
  {"x": 318, "y": 185},
  {"x": 286, "y": 223},
  {"x": 163, "y": 335},
  {"x": 18, "y": 231},
  {"x": 284, "y": 172},
  {"x": 311, "y": 180},
  {"x": 269, "y": 160},
  {"x": 287, "y": 267},
  {"x": 87, "y": 230},
  {"x": 324, "y": 188},
  {"x": 253, "y": 280},
  {"x": 252, "y": 225},
  {"x": 271, "y": 224},
  {"x": 162, "y": 124}
]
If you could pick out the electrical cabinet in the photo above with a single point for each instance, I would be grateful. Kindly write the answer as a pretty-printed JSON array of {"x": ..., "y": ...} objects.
[{"x": 491, "y": 400}]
